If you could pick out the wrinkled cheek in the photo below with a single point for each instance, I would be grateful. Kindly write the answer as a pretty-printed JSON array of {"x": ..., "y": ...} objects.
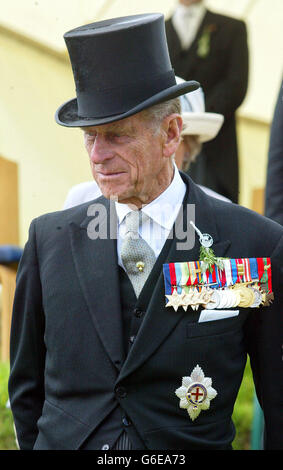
[
  {"x": 92, "y": 167},
  {"x": 141, "y": 185}
]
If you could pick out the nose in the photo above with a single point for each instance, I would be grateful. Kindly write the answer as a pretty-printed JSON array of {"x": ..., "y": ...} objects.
[{"x": 100, "y": 150}]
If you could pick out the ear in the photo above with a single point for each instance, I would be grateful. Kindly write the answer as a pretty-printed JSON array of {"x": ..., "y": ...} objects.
[{"x": 172, "y": 127}]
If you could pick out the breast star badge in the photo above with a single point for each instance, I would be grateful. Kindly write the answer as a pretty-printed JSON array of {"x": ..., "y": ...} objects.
[{"x": 196, "y": 393}]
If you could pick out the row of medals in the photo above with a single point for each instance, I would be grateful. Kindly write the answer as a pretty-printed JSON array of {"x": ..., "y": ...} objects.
[{"x": 239, "y": 295}]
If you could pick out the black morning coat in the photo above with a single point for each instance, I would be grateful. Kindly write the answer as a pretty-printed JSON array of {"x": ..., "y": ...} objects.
[
  {"x": 223, "y": 75},
  {"x": 67, "y": 355}
]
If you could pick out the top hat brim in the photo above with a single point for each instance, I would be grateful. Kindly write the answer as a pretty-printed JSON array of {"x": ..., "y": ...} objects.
[{"x": 67, "y": 114}]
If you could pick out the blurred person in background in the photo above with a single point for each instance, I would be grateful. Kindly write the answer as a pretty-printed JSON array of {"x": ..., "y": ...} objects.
[
  {"x": 198, "y": 127},
  {"x": 274, "y": 179},
  {"x": 213, "y": 49}
]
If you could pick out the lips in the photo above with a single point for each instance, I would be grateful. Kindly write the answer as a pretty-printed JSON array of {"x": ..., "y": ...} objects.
[{"x": 110, "y": 174}]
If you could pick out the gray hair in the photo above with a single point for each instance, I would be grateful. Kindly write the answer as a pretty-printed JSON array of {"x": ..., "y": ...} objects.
[{"x": 156, "y": 113}]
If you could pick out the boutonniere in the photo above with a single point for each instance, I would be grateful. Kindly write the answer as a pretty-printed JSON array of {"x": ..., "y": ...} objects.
[
  {"x": 207, "y": 255},
  {"x": 204, "y": 41}
]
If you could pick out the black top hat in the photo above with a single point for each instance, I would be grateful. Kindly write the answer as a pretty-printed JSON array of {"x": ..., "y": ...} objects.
[{"x": 121, "y": 66}]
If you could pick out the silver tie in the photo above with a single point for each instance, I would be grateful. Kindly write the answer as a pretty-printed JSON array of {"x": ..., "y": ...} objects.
[{"x": 137, "y": 256}]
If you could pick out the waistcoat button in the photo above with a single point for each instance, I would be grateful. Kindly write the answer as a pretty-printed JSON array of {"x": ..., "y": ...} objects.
[
  {"x": 121, "y": 392},
  {"x": 138, "y": 312},
  {"x": 126, "y": 421}
]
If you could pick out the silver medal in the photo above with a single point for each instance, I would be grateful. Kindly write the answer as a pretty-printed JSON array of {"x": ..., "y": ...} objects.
[{"x": 215, "y": 300}]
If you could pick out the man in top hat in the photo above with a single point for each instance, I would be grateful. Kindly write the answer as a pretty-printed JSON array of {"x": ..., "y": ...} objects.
[
  {"x": 213, "y": 49},
  {"x": 112, "y": 346}
]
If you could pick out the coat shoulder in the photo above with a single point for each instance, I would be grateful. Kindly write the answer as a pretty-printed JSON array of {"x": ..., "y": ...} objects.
[
  {"x": 61, "y": 219},
  {"x": 245, "y": 224},
  {"x": 225, "y": 19}
]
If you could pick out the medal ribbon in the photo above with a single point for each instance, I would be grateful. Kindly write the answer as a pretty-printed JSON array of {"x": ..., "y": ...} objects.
[
  {"x": 185, "y": 274},
  {"x": 222, "y": 276},
  {"x": 260, "y": 268},
  {"x": 267, "y": 269},
  {"x": 239, "y": 270},
  {"x": 193, "y": 272},
  {"x": 213, "y": 277},
  {"x": 167, "y": 280},
  {"x": 234, "y": 271},
  {"x": 253, "y": 268},
  {"x": 190, "y": 273},
  {"x": 217, "y": 276},
  {"x": 198, "y": 272},
  {"x": 228, "y": 272},
  {"x": 178, "y": 272},
  {"x": 205, "y": 276},
  {"x": 172, "y": 276},
  {"x": 247, "y": 271},
  {"x": 189, "y": 281}
]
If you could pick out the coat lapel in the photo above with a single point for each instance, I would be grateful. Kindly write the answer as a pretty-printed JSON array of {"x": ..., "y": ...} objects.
[
  {"x": 97, "y": 271},
  {"x": 159, "y": 321}
]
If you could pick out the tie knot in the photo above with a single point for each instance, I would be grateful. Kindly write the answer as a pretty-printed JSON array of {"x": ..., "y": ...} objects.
[{"x": 133, "y": 221}]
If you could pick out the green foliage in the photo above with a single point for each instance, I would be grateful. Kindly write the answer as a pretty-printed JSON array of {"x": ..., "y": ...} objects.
[
  {"x": 243, "y": 411},
  {"x": 4, "y": 374},
  {"x": 209, "y": 259},
  {"x": 7, "y": 436}
]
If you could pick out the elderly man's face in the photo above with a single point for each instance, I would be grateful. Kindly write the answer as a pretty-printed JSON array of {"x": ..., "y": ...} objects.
[{"x": 130, "y": 160}]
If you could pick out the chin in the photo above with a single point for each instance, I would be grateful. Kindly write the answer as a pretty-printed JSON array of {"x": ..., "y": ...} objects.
[{"x": 115, "y": 195}]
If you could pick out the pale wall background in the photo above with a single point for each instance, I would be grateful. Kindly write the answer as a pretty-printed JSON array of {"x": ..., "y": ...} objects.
[{"x": 36, "y": 78}]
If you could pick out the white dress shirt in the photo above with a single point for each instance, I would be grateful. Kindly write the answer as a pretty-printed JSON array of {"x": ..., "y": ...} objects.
[
  {"x": 162, "y": 213},
  {"x": 186, "y": 21}
]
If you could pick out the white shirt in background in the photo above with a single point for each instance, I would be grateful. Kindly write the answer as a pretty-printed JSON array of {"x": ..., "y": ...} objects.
[
  {"x": 82, "y": 192},
  {"x": 186, "y": 21}
]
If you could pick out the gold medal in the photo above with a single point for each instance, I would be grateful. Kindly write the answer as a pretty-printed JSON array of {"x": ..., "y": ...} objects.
[{"x": 247, "y": 296}]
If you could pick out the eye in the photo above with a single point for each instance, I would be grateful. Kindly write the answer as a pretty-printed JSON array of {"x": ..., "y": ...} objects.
[
  {"x": 117, "y": 137},
  {"x": 89, "y": 138},
  {"x": 90, "y": 135},
  {"x": 114, "y": 135}
]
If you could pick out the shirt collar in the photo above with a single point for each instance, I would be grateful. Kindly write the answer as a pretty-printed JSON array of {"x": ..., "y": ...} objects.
[{"x": 164, "y": 209}]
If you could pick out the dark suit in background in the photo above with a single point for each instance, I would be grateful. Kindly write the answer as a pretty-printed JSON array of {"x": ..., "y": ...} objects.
[
  {"x": 274, "y": 180},
  {"x": 223, "y": 75}
]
